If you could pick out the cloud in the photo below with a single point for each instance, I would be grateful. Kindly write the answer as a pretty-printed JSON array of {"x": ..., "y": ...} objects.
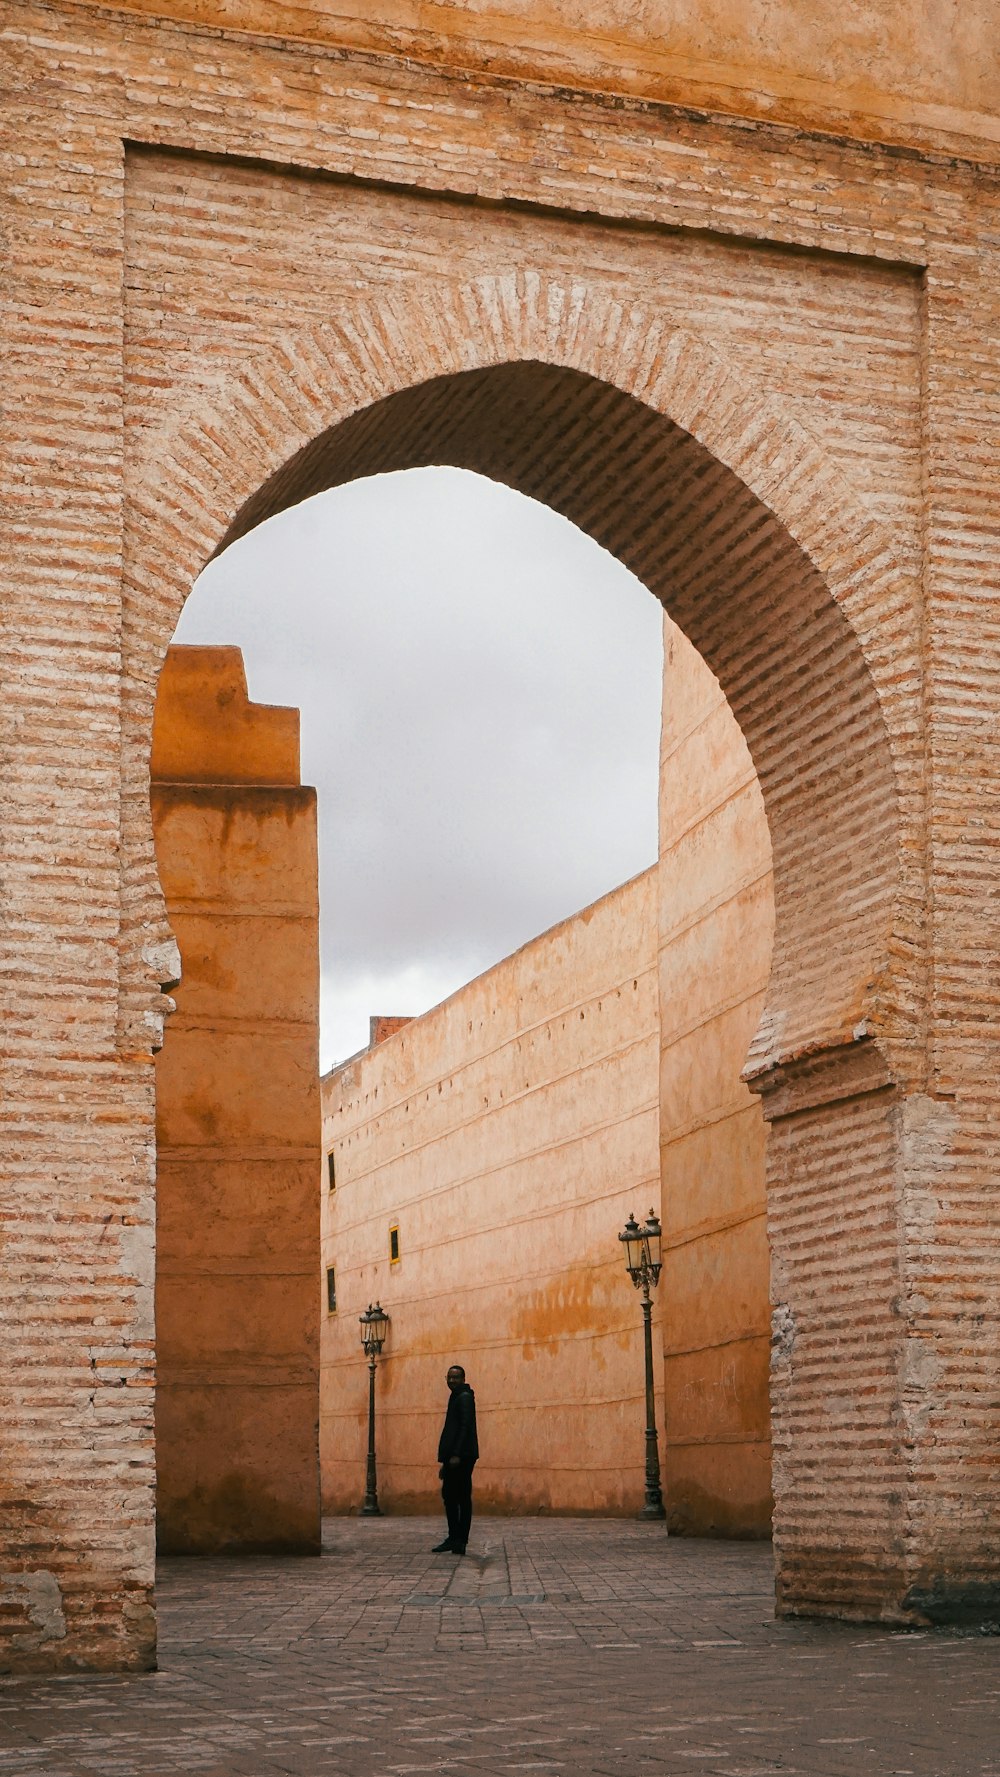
[{"x": 480, "y": 690}]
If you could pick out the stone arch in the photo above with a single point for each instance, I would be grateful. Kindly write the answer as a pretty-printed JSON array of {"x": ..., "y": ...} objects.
[
  {"x": 723, "y": 505},
  {"x": 769, "y": 560}
]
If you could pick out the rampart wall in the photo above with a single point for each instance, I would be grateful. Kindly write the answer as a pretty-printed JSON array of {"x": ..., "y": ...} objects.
[
  {"x": 749, "y": 354},
  {"x": 715, "y": 903},
  {"x": 237, "y": 1120},
  {"x": 901, "y": 72},
  {"x": 505, "y": 1194},
  {"x": 506, "y": 1135}
]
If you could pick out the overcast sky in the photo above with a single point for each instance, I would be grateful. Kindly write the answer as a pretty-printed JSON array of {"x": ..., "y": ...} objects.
[{"x": 480, "y": 694}]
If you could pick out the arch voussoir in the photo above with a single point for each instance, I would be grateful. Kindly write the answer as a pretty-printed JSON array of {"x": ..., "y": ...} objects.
[
  {"x": 201, "y": 478},
  {"x": 734, "y": 515}
]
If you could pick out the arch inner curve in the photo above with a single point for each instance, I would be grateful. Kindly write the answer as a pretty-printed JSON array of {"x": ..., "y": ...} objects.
[{"x": 743, "y": 590}]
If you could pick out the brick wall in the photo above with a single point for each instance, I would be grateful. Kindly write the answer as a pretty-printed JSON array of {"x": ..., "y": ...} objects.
[
  {"x": 813, "y": 314},
  {"x": 895, "y": 73}
]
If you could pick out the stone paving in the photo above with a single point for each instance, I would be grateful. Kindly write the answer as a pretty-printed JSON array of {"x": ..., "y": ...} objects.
[{"x": 588, "y": 1647}]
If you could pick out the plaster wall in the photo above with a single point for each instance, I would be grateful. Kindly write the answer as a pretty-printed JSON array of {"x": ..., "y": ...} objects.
[
  {"x": 902, "y": 70},
  {"x": 506, "y": 1134},
  {"x": 711, "y": 900},
  {"x": 237, "y": 1120},
  {"x": 715, "y": 929}
]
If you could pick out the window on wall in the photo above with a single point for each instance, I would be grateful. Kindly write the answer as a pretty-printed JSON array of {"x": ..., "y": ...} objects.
[
  {"x": 331, "y": 1290},
  {"x": 394, "y": 1246},
  {"x": 331, "y": 1171}
]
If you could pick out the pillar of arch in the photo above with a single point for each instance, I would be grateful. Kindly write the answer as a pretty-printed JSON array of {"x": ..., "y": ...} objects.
[{"x": 733, "y": 516}]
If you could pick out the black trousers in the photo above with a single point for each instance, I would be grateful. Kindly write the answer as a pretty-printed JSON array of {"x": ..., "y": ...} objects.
[{"x": 456, "y": 1491}]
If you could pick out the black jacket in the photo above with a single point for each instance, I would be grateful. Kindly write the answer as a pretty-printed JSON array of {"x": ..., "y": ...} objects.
[{"x": 458, "y": 1435}]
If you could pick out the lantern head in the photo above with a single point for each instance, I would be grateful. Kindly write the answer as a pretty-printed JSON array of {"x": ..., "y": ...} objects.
[{"x": 374, "y": 1326}]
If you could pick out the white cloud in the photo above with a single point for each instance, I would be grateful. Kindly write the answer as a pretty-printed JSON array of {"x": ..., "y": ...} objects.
[{"x": 480, "y": 693}]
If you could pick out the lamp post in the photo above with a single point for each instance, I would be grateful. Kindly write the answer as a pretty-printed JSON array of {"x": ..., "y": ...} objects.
[
  {"x": 374, "y": 1326},
  {"x": 642, "y": 1256}
]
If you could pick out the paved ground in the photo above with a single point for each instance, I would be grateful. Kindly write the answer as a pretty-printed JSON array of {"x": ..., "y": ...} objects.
[{"x": 582, "y": 1647}]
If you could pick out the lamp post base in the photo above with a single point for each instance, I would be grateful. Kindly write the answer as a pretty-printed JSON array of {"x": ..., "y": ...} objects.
[
  {"x": 651, "y": 1513},
  {"x": 370, "y": 1509}
]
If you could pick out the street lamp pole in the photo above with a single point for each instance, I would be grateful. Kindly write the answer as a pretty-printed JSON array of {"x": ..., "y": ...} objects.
[
  {"x": 642, "y": 1257},
  {"x": 374, "y": 1326}
]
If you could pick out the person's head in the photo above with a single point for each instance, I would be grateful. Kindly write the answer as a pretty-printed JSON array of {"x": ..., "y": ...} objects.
[{"x": 456, "y": 1376}]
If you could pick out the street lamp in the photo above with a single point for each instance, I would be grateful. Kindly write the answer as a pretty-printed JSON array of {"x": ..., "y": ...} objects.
[
  {"x": 374, "y": 1326},
  {"x": 642, "y": 1257}
]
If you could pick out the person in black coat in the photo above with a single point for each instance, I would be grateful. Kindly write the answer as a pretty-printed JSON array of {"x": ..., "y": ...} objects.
[{"x": 458, "y": 1451}]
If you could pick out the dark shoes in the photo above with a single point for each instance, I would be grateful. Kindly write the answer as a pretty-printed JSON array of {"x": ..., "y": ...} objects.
[
  {"x": 456, "y": 1551},
  {"x": 444, "y": 1548}
]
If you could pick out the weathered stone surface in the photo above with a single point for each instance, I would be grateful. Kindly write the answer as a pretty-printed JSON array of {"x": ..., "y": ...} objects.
[
  {"x": 237, "y": 1120},
  {"x": 904, "y": 72},
  {"x": 506, "y": 1135},
  {"x": 385, "y": 1654},
  {"x": 754, "y": 360},
  {"x": 510, "y": 1131},
  {"x": 715, "y": 932}
]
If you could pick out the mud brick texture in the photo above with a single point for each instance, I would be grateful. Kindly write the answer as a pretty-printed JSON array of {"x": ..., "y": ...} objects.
[{"x": 756, "y": 362}]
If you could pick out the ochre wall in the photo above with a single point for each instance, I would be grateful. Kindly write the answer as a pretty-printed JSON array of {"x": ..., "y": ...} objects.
[
  {"x": 895, "y": 70},
  {"x": 424, "y": 1132},
  {"x": 716, "y": 921},
  {"x": 507, "y": 1133},
  {"x": 237, "y": 1119},
  {"x": 179, "y": 322}
]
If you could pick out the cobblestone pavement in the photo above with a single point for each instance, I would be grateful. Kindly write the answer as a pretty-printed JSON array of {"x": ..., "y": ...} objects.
[{"x": 582, "y": 1647}]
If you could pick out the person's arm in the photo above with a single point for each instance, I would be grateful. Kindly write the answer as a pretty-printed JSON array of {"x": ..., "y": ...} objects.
[{"x": 466, "y": 1424}]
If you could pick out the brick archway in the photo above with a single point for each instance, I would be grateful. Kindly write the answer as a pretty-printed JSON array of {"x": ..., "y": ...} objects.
[
  {"x": 733, "y": 515},
  {"x": 759, "y": 503}
]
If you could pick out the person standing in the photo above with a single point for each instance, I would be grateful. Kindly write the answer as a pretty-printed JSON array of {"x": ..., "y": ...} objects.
[{"x": 458, "y": 1452}]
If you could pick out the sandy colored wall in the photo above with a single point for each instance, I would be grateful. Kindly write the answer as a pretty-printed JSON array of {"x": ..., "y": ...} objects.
[
  {"x": 167, "y": 348},
  {"x": 716, "y": 920},
  {"x": 425, "y": 1129},
  {"x": 507, "y": 1133},
  {"x": 896, "y": 70},
  {"x": 238, "y": 1126}
]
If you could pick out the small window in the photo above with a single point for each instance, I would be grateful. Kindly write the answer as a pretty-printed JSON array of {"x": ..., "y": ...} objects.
[
  {"x": 394, "y": 1246},
  {"x": 331, "y": 1171},
  {"x": 331, "y": 1290}
]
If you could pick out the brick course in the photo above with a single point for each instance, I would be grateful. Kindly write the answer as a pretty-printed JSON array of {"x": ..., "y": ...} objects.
[{"x": 779, "y": 344}]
